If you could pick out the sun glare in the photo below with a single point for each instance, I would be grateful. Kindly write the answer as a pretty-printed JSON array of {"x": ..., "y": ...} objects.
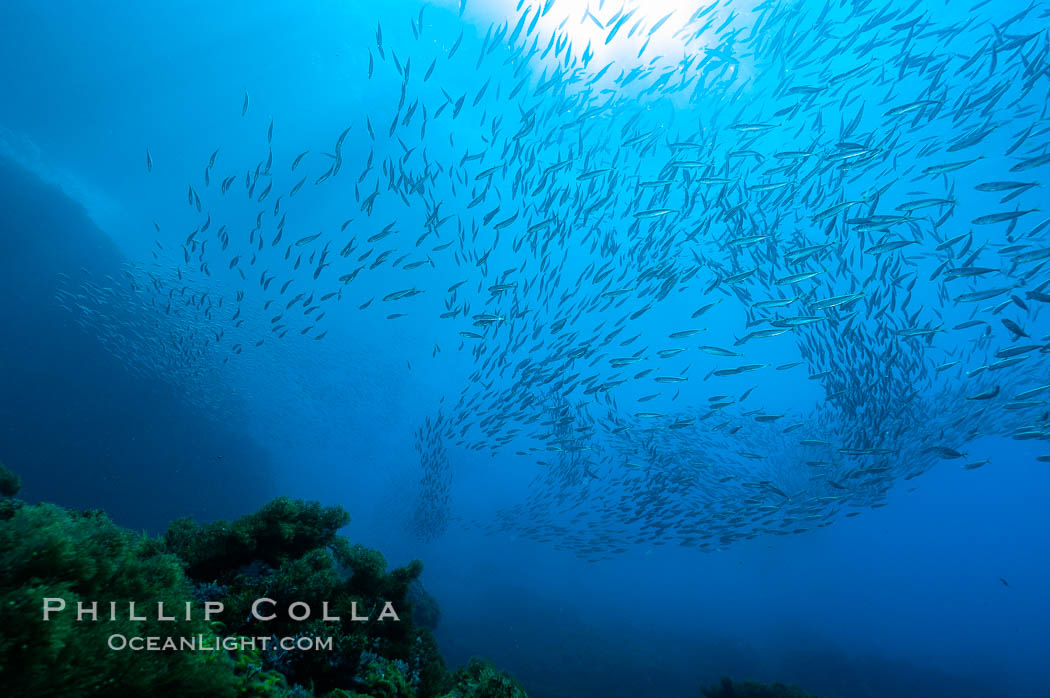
[{"x": 599, "y": 32}]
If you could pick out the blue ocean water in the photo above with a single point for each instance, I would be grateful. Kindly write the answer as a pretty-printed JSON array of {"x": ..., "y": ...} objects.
[{"x": 469, "y": 319}]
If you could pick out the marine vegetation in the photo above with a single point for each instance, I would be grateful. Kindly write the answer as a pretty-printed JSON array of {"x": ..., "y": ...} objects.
[
  {"x": 50, "y": 552},
  {"x": 287, "y": 552},
  {"x": 481, "y": 678},
  {"x": 752, "y": 689}
]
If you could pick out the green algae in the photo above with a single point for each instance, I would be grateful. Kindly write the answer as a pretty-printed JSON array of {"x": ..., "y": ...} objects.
[
  {"x": 289, "y": 551},
  {"x": 50, "y": 552}
]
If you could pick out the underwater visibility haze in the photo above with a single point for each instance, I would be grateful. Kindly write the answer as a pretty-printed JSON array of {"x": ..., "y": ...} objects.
[{"x": 677, "y": 340}]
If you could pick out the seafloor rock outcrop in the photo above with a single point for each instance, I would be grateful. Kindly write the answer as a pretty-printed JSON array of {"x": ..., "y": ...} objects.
[
  {"x": 752, "y": 689},
  {"x": 289, "y": 552}
]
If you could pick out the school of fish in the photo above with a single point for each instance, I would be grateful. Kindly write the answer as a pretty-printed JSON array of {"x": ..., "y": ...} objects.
[{"x": 631, "y": 251}]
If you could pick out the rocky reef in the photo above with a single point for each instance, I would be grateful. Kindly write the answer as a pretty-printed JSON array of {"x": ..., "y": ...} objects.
[
  {"x": 752, "y": 689},
  {"x": 218, "y": 600}
]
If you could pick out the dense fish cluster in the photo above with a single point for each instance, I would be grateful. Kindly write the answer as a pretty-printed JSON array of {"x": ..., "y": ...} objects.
[{"x": 840, "y": 199}]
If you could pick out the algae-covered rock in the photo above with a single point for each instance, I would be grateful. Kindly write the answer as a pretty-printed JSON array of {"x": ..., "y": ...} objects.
[
  {"x": 287, "y": 552},
  {"x": 481, "y": 679},
  {"x": 290, "y": 552},
  {"x": 426, "y": 612},
  {"x": 367, "y": 567},
  {"x": 47, "y": 552},
  {"x": 10, "y": 483},
  {"x": 282, "y": 530},
  {"x": 379, "y": 677}
]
